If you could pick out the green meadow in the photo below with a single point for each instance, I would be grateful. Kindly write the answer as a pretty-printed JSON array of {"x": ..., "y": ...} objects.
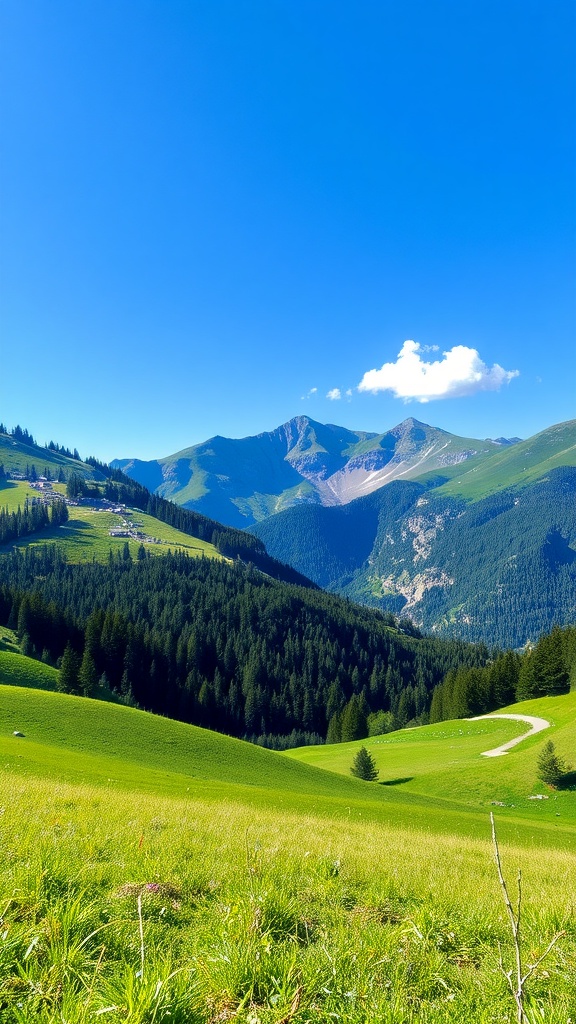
[
  {"x": 157, "y": 872},
  {"x": 15, "y": 456},
  {"x": 445, "y": 761},
  {"x": 85, "y": 536}
]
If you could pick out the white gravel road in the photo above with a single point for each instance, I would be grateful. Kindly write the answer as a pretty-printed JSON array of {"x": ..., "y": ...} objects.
[{"x": 536, "y": 725}]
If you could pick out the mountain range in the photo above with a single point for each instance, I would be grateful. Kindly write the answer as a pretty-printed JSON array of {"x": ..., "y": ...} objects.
[
  {"x": 484, "y": 550},
  {"x": 467, "y": 537},
  {"x": 243, "y": 481}
]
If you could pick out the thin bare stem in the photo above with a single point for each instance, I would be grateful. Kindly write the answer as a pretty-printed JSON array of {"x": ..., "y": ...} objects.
[
  {"x": 141, "y": 928},
  {"x": 249, "y": 864},
  {"x": 534, "y": 967},
  {"x": 517, "y": 990},
  {"x": 522, "y": 976}
]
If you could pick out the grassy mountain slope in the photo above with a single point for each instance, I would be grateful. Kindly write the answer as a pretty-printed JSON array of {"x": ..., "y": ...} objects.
[
  {"x": 444, "y": 760},
  {"x": 434, "y": 774},
  {"x": 138, "y": 750},
  {"x": 521, "y": 464},
  {"x": 86, "y": 534},
  {"x": 18, "y": 670},
  {"x": 156, "y": 871},
  {"x": 15, "y": 456},
  {"x": 159, "y": 872},
  {"x": 159, "y": 524}
]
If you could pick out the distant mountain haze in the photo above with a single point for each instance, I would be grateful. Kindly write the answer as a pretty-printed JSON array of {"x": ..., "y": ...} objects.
[{"x": 243, "y": 481}]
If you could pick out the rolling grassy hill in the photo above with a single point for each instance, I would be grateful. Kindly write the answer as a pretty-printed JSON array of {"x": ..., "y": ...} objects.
[
  {"x": 18, "y": 670},
  {"x": 158, "y": 872},
  {"x": 15, "y": 455},
  {"x": 515, "y": 466},
  {"x": 86, "y": 534},
  {"x": 444, "y": 760},
  {"x": 424, "y": 769}
]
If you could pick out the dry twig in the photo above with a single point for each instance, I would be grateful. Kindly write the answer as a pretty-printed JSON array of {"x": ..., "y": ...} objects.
[{"x": 517, "y": 986}]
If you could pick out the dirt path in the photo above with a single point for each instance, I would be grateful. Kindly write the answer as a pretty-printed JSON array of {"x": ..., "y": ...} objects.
[{"x": 536, "y": 725}]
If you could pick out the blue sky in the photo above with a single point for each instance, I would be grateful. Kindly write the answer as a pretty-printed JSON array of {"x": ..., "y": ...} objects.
[{"x": 215, "y": 214}]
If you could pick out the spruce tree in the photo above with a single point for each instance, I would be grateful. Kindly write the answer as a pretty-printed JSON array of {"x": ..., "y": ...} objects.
[
  {"x": 87, "y": 675},
  {"x": 364, "y": 766},
  {"x": 551, "y": 767},
  {"x": 334, "y": 734},
  {"x": 69, "y": 669},
  {"x": 354, "y": 720}
]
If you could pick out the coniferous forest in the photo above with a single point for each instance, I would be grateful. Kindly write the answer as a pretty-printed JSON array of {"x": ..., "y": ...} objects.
[{"x": 221, "y": 645}]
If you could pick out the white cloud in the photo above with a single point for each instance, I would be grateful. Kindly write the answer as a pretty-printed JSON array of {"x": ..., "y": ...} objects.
[
  {"x": 334, "y": 395},
  {"x": 460, "y": 372},
  {"x": 308, "y": 394}
]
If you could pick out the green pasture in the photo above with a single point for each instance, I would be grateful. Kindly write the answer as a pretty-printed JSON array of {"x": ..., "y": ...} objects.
[
  {"x": 157, "y": 873},
  {"x": 433, "y": 777},
  {"x": 13, "y": 493},
  {"x": 85, "y": 536},
  {"x": 15, "y": 456},
  {"x": 445, "y": 761},
  {"x": 18, "y": 670}
]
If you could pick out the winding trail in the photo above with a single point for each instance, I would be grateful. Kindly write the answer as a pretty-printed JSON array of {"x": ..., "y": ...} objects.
[{"x": 536, "y": 725}]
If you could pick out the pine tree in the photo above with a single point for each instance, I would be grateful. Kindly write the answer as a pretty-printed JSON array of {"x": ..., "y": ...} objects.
[
  {"x": 69, "y": 669},
  {"x": 88, "y": 675},
  {"x": 334, "y": 734},
  {"x": 354, "y": 720},
  {"x": 364, "y": 766},
  {"x": 551, "y": 767}
]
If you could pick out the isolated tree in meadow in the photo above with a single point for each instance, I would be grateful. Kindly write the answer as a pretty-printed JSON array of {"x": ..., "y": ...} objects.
[
  {"x": 364, "y": 766},
  {"x": 551, "y": 767}
]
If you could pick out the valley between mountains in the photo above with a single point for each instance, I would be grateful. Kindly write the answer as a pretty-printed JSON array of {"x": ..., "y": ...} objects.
[
  {"x": 467, "y": 538},
  {"x": 181, "y": 706}
]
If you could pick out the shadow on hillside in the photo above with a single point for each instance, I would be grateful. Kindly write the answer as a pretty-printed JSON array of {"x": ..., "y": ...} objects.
[
  {"x": 568, "y": 781},
  {"x": 396, "y": 782}
]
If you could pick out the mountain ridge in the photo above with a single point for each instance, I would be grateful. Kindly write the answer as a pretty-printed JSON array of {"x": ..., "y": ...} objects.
[{"x": 242, "y": 481}]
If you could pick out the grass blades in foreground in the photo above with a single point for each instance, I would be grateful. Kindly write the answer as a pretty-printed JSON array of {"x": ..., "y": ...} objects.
[
  {"x": 133, "y": 908},
  {"x": 154, "y": 872}
]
